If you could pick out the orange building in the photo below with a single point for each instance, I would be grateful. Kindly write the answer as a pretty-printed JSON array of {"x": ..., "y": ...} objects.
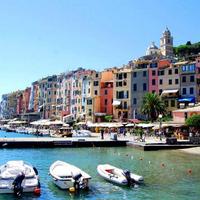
[
  {"x": 26, "y": 99},
  {"x": 106, "y": 92}
]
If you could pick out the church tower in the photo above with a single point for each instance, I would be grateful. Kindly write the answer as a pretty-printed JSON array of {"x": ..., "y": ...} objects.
[{"x": 166, "y": 43}]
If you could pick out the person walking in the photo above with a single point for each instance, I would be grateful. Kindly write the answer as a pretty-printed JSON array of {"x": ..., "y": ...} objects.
[{"x": 102, "y": 134}]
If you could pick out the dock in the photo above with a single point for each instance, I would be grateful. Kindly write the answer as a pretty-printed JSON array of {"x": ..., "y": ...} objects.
[
  {"x": 160, "y": 146},
  {"x": 59, "y": 142}
]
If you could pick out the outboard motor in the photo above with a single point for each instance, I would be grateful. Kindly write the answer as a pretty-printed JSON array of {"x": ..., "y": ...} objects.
[
  {"x": 17, "y": 184},
  {"x": 127, "y": 174},
  {"x": 76, "y": 178}
]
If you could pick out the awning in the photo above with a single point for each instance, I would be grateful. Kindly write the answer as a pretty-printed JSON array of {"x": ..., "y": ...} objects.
[
  {"x": 99, "y": 114},
  {"x": 134, "y": 120},
  {"x": 187, "y": 99},
  {"x": 116, "y": 103},
  {"x": 169, "y": 92}
]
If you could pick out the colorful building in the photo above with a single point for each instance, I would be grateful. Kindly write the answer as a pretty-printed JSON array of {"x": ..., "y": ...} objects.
[
  {"x": 169, "y": 84},
  {"x": 106, "y": 92},
  {"x": 122, "y": 99},
  {"x": 187, "y": 84}
]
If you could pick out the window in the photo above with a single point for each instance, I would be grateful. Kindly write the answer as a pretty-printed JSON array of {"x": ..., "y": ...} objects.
[
  {"x": 170, "y": 81},
  {"x": 153, "y": 81},
  {"x": 134, "y": 101},
  {"x": 184, "y": 91},
  {"x": 161, "y": 73},
  {"x": 183, "y": 79},
  {"x": 95, "y": 92},
  {"x": 176, "y": 71},
  {"x": 161, "y": 81},
  {"x": 134, "y": 74},
  {"x": 191, "y": 90},
  {"x": 176, "y": 81},
  {"x": 125, "y": 75},
  {"x": 191, "y": 78},
  {"x": 134, "y": 87},
  {"x": 106, "y": 101},
  {"x": 125, "y": 105},
  {"x": 89, "y": 101},
  {"x": 106, "y": 92},
  {"x": 90, "y": 112},
  {"x": 153, "y": 91},
  {"x": 96, "y": 83},
  {"x": 172, "y": 103},
  {"x": 153, "y": 72},
  {"x": 97, "y": 75},
  {"x": 144, "y": 73},
  {"x": 160, "y": 91},
  {"x": 169, "y": 71},
  {"x": 144, "y": 86}
]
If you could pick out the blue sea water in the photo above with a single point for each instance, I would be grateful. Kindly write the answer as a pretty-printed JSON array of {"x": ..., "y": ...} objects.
[{"x": 165, "y": 173}]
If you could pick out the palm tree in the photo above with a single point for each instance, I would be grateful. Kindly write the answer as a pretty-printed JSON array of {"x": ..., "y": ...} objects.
[{"x": 152, "y": 106}]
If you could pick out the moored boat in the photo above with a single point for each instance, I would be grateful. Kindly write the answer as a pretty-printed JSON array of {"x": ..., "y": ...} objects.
[
  {"x": 117, "y": 175},
  {"x": 17, "y": 177},
  {"x": 66, "y": 176},
  {"x": 81, "y": 133}
]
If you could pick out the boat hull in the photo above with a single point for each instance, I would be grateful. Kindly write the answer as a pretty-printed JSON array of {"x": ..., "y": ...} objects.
[{"x": 63, "y": 175}]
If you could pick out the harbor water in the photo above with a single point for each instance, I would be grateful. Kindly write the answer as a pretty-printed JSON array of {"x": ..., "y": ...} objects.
[{"x": 166, "y": 173}]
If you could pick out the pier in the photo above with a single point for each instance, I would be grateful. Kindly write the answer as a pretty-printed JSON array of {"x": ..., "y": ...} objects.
[
  {"x": 160, "y": 146},
  {"x": 59, "y": 142}
]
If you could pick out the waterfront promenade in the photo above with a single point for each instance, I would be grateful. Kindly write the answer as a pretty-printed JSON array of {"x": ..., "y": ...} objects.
[{"x": 150, "y": 143}]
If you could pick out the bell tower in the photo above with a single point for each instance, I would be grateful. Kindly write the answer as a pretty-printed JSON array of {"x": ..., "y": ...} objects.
[{"x": 166, "y": 43}]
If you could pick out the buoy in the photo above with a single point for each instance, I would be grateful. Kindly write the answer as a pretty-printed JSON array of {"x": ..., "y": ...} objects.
[
  {"x": 141, "y": 158},
  {"x": 132, "y": 157},
  {"x": 149, "y": 162},
  {"x": 37, "y": 191},
  {"x": 72, "y": 189},
  {"x": 162, "y": 165},
  {"x": 189, "y": 171}
]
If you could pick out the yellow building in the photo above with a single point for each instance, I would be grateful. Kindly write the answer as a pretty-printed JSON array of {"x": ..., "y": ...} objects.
[{"x": 122, "y": 109}]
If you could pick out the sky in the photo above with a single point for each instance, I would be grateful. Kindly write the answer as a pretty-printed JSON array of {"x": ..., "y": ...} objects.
[{"x": 45, "y": 37}]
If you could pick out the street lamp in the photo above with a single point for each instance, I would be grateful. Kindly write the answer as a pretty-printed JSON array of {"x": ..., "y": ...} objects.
[{"x": 160, "y": 119}]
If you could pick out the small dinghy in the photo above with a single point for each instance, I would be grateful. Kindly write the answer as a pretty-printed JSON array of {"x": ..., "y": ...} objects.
[
  {"x": 81, "y": 133},
  {"x": 118, "y": 176},
  {"x": 67, "y": 176},
  {"x": 17, "y": 177}
]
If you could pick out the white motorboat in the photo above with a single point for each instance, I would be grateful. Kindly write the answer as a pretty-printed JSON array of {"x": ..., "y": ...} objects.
[
  {"x": 81, "y": 133},
  {"x": 118, "y": 176},
  {"x": 66, "y": 176},
  {"x": 17, "y": 177}
]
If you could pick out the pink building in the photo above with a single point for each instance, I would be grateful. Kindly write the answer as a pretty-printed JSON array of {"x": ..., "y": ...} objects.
[
  {"x": 198, "y": 78},
  {"x": 180, "y": 116}
]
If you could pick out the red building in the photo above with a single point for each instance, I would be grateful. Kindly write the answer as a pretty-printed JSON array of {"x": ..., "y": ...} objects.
[{"x": 19, "y": 103}]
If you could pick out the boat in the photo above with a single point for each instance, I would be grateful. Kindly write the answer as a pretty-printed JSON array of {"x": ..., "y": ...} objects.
[
  {"x": 81, "y": 133},
  {"x": 17, "y": 177},
  {"x": 118, "y": 176},
  {"x": 67, "y": 176}
]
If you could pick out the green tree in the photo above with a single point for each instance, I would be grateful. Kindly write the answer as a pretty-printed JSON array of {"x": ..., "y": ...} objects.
[
  {"x": 193, "y": 121},
  {"x": 108, "y": 118},
  {"x": 152, "y": 106}
]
